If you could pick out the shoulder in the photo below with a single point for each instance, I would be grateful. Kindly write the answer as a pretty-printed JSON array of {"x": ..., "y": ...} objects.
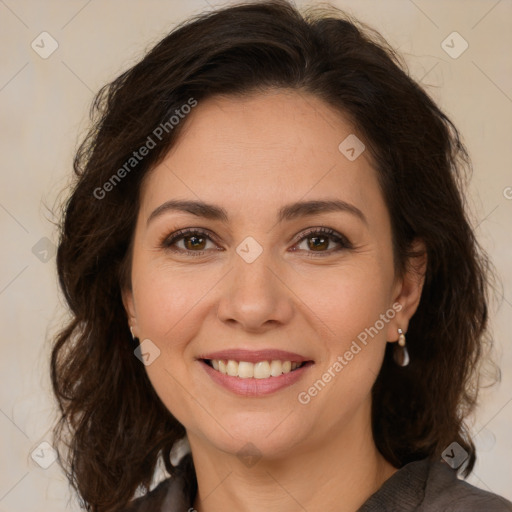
[
  {"x": 445, "y": 491},
  {"x": 432, "y": 486}
]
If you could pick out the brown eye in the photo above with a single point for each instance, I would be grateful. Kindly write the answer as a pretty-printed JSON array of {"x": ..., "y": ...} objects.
[
  {"x": 318, "y": 242},
  {"x": 321, "y": 240},
  {"x": 194, "y": 241}
]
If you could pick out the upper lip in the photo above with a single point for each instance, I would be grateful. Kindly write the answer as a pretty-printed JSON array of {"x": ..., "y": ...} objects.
[{"x": 253, "y": 356}]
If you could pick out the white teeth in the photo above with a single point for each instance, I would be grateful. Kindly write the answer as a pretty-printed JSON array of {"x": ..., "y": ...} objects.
[
  {"x": 245, "y": 370},
  {"x": 259, "y": 370},
  {"x": 232, "y": 368},
  {"x": 276, "y": 368},
  {"x": 262, "y": 370}
]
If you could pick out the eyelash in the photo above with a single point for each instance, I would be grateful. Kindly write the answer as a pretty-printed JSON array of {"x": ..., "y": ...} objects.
[{"x": 169, "y": 241}]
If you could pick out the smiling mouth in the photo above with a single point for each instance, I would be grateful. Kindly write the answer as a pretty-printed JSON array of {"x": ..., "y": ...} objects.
[{"x": 259, "y": 370}]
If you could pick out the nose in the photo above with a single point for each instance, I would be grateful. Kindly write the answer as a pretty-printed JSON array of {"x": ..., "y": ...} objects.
[{"x": 255, "y": 297}]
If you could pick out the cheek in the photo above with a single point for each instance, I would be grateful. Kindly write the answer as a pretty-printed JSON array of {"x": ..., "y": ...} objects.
[
  {"x": 348, "y": 300},
  {"x": 348, "y": 307},
  {"x": 166, "y": 303},
  {"x": 165, "y": 299}
]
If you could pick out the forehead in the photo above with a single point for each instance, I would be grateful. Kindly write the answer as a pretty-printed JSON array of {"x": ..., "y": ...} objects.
[{"x": 257, "y": 152}]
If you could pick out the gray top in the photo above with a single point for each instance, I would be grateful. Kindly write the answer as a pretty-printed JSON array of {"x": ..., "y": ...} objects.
[{"x": 420, "y": 486}]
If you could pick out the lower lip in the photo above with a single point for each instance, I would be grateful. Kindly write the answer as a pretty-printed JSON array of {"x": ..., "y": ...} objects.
[{"x": 255, "y": 387}]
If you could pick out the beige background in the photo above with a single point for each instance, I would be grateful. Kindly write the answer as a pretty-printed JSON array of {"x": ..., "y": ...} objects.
[{"x": 44, "y": 106}]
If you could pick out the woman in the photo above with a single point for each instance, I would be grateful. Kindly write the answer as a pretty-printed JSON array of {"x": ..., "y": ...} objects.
[{"x": 266, "y": 256}]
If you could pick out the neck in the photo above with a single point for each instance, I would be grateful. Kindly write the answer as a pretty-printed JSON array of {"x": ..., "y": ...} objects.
[{"x": 340, "y": 472}]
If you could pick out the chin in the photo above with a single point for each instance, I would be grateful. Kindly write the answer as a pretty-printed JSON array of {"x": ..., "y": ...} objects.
[{"x": 268, "y": 436}]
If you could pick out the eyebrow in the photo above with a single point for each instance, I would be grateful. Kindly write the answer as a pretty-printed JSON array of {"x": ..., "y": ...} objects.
[{"x": 286, "y": 213}]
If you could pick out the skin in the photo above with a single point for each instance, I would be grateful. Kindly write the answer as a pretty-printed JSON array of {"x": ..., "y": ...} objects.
[{"x": 251, "y": 156}]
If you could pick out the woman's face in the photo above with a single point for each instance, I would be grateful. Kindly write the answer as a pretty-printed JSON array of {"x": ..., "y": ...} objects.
[{"x": 266, "y": 269}]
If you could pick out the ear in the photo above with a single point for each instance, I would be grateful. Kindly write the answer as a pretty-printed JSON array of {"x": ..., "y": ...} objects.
[
  {"x": 407, "y": 290},
  {"x": 129, "y": 306}
]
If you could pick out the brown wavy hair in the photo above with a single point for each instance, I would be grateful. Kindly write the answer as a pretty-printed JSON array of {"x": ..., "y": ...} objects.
[{"x": 112, "y": 426}]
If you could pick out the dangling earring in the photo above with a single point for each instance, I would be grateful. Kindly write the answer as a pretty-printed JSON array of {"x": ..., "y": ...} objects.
[
  {"x": 134, "y": 338},
  {"x": 400, "y": 353}
]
